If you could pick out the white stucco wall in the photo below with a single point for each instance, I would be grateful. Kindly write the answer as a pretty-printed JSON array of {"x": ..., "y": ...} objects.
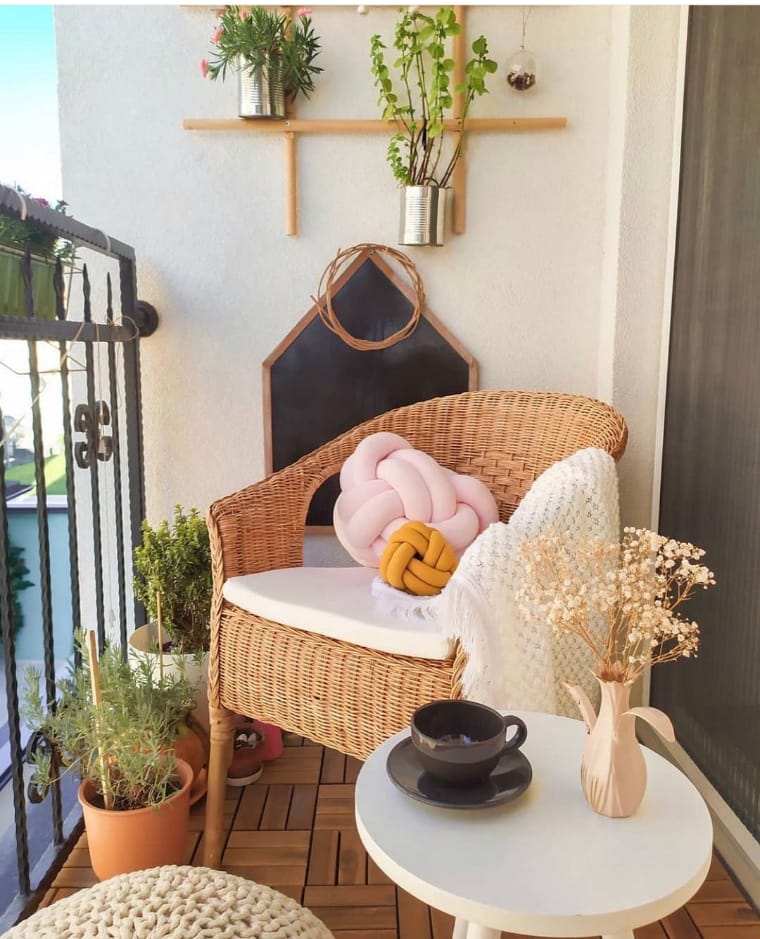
[{"x": 557, "y": 283}]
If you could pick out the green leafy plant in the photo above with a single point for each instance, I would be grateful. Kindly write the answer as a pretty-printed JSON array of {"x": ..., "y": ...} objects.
[
  {"x": 175, "y": 561},
  {"x": 422, "y": 95},
  {"x": 20, "y": 235},
  {"x": 18, "y": 571},
  {"x": 264, "y": 39},
  {"x": 123, "y": 744}
]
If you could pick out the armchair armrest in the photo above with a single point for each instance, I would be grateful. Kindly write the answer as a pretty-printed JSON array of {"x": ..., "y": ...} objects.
[{"x": 260, "y": 527}]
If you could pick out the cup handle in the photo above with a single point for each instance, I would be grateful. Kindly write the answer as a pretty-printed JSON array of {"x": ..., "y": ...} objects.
[{"x": 519, "y": 738}]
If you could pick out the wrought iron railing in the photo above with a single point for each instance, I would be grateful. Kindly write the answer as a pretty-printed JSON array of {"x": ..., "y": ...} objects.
[{"x": 96, "y": 340}]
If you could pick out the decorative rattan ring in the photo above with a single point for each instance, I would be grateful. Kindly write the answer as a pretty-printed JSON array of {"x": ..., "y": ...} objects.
[{"x": 325, "y": 290}]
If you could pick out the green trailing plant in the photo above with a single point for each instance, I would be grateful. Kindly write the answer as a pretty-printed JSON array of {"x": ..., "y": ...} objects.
[
  {"x": 19, "y": 582},
  {"x": 175, "y": 561},
  {"x": 22, "y": 234},
  {"x": 125, "y": 743},
  {"x": 421, "y": 96},
  {"x": 265, "y": 39}
]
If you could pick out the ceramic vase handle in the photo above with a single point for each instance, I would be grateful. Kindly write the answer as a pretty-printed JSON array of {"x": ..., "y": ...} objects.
[
  {"x": 520, "y": 737},
  {"x": 655, "y": 718}
]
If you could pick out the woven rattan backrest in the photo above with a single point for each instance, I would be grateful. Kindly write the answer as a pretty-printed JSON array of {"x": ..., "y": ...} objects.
[{"x": 505, "y": 438}]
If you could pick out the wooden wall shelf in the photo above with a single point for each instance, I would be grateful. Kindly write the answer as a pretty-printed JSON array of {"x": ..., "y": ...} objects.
[
  {"x": 337, "y": 126},
  {"x": 291, "y": 126}
]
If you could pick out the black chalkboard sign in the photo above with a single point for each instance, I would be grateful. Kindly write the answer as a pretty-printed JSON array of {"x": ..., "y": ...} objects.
[{"x": 318, "y": 386}]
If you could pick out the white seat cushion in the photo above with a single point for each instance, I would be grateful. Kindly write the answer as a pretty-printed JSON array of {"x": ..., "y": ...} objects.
[{"x": 335, "y": 602}]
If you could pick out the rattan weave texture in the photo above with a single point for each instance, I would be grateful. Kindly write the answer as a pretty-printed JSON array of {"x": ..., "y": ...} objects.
[{"x": 341, "y": 695}]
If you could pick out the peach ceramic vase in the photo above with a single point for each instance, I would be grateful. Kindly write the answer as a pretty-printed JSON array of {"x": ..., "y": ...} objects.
[{"x": 613, "y": 771}]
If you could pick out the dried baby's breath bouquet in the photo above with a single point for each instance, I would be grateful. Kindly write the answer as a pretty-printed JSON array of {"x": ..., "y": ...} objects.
[{"x": 622, "y": 599}]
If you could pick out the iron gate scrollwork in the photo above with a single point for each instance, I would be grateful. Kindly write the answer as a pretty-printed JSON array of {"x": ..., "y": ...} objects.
[{"x": 102, "y": 434}]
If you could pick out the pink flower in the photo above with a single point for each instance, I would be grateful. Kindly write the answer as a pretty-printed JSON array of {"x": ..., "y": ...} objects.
[
  {"x": 243, "y": 14},
  {"x": 40, "y": 200},
  {"x": 221, "y": 11},
  {"x": 217, "y": 34},
  {"x": 303, "y": 11},
  {"x": 204, "y": 67}
]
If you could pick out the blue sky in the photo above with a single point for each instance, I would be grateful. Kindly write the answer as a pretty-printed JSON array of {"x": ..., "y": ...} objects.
[{"x": 29, "y": 146}]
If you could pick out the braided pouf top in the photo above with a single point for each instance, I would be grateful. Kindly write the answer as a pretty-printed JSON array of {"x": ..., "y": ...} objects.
[{"x": 174, "y": 901}]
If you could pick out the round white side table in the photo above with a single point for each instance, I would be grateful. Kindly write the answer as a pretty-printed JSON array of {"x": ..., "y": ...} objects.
[{"x": 546, "y": 864}]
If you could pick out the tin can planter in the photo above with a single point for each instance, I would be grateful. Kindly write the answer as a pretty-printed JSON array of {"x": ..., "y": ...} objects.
[
  {"x": 261, "y": 91},
  {"x": 423, "y": 216}
]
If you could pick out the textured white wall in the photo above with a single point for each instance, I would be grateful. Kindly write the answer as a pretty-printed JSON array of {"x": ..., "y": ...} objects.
[{"x": 528, "y": 288}]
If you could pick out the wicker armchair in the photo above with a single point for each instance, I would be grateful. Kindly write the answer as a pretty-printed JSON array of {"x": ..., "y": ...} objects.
[{"x": 342, "y": 695}]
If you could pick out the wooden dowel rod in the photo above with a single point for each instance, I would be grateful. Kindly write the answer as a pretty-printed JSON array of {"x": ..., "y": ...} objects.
[
  {"x": 459, "y": 178},
  {"x": 160, "y": 630},
  {"x": 92, "y": 653},
  {"x": 291, "y": 185},
  {"x": 334, "y": 126}
]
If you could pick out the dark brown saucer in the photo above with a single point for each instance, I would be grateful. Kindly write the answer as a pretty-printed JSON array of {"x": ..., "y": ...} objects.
[{"x": 509, "y": 779}]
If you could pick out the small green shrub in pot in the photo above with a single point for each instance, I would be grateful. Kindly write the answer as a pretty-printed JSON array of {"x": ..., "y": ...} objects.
[{"x": 175, "y": 561}]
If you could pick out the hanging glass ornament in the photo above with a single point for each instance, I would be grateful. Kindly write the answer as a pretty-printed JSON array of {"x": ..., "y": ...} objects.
[{"x": 521, "y": 65}]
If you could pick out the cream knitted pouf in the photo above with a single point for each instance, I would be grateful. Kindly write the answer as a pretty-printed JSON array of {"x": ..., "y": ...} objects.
[{"x": 181, "y": 902}]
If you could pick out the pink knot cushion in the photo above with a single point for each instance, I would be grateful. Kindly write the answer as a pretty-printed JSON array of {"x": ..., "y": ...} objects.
[{"x": 386, "y": 482}]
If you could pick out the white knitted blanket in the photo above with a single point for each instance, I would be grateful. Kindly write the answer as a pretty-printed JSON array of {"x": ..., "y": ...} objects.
[{"x": 515, "y": 662}]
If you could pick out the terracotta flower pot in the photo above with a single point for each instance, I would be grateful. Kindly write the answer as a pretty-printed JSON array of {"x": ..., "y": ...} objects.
[{"x": 133, "y": 840}]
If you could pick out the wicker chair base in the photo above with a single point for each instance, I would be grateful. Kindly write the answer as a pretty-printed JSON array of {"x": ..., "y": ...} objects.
[{"x": 332, "y": 692}]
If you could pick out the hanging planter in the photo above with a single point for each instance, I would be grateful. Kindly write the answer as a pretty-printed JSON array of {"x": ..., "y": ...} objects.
[
  {"x": 423, "y": 216},
  {"x": 421, "y": 154},
  {"x": 273, "y": 54},
  {"x": 12, "y": 289},
  {"x": 260, "y": 89}
]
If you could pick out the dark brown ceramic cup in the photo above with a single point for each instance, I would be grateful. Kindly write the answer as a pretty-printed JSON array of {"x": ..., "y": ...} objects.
[{"x": 460, "y": 742}]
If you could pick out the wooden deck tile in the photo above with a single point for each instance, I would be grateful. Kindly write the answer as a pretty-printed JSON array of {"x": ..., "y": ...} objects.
[
  {"x": 366, "y": 934},
  {"x": 302, "y": 807},
  {"x": 413, "y": 917},
  {"x": 333, "y": 767},
  {"x": 722, "y": 914},
  {"x": 375, "y": 875},
  {"x": 276, "y": 807},
  {"x": 717, "y": 870},
  {"x": 75, "y": 877},
  {"x": 731, "y": 932},
  {"x": 653, "y": 931},
  {"x": 352, "y": 859},
  {"x": 714, "y": 890},
  {"x": 679, "y": 925},
  {"x": 365, "y": 918},
  {"x": 374, "y": 895},
  {"x": 251, "y": 806},
  {"x": 441, "y": 923},
  {"x": 270, "y": 874},
  {"x": 295, "y": 831},
  {"x": 323, "y": 860}
]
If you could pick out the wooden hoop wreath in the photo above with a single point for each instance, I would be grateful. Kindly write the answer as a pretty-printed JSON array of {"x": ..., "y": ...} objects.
[{"x": 331, "y": 274}]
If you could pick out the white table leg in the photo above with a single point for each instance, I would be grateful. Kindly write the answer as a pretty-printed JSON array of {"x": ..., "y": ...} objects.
[
  {"x": 460, "y": 928},
  {"x": 465, "y": 930},
  {"x": 625, "y": 934}
]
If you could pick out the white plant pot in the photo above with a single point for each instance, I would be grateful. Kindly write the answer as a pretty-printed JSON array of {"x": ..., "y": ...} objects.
[{"x": 145, "y": 640}]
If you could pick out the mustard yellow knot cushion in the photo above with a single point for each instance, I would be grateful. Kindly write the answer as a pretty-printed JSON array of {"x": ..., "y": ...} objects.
[{"x": 417, "y": 559}]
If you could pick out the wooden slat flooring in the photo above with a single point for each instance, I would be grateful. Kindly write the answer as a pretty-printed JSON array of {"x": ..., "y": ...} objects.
[{"x": 294, "y": 830}]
